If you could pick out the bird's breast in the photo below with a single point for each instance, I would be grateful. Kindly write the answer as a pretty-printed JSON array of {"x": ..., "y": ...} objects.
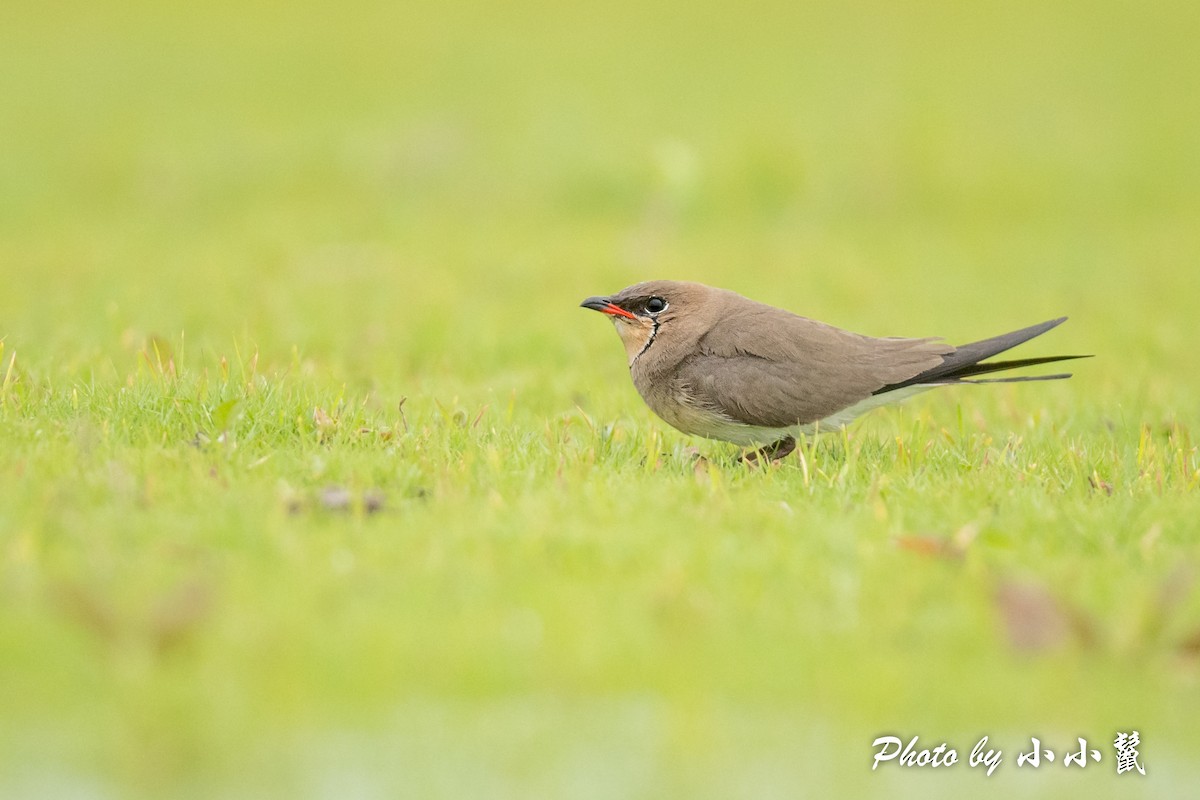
[{"x": 679, "y": 407}]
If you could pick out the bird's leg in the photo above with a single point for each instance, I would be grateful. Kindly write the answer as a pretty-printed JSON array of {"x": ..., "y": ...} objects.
[{"x": 772, "y": 452}]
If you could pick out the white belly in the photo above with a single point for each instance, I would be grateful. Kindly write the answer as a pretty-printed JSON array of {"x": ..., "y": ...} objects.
[{"x": 691, "y": 420}]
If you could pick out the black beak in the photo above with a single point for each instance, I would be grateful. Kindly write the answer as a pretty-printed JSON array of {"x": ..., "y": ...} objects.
[
  {"x": 606, "y": 306},
  {"x": 596, "y": 303}
]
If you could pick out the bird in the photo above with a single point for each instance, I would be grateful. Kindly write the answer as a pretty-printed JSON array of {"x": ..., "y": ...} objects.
[{"x": 713, "y": 363}]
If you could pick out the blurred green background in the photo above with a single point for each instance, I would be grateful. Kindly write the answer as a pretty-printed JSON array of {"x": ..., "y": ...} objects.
[{"x": 360, "y": 206}]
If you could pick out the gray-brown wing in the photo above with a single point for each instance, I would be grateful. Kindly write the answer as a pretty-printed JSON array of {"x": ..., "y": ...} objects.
[{"x": 766, "y": 367}]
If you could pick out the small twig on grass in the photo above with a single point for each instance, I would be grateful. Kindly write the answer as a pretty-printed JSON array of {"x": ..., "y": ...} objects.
[{"x": 400, "y": 410}]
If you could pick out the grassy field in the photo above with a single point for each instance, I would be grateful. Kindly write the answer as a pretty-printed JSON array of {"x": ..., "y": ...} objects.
[{"x": 315, "y": 482}]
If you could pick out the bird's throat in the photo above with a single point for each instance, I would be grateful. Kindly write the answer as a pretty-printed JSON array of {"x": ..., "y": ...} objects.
[{"x": 637, "y": 336}]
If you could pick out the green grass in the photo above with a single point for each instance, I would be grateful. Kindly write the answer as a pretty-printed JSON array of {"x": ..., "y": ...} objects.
[{"x": 315, "y": 482}]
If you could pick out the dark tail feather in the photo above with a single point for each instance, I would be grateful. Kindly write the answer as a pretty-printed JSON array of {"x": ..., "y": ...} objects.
[
  {"x": 998, "y": 366},
  {"x": 1058, "y": 376},
  {"x": 963, "y": 363}
]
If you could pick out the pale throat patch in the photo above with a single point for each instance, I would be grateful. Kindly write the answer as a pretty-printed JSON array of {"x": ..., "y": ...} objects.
[{"x": 634, "y": 335}]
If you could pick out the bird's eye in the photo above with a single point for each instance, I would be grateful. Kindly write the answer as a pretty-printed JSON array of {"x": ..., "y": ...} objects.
[{"x": 655, "y": 305}]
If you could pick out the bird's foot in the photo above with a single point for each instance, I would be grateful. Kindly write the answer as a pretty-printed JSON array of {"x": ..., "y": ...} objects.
[{"x": 772, "y": 452}]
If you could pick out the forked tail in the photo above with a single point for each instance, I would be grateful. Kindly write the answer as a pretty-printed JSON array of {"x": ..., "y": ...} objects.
[{"x": 963, "y": 364}]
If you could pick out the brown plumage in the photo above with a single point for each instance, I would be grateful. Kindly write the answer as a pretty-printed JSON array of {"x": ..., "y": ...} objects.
[{"x": 713, "y": 363}]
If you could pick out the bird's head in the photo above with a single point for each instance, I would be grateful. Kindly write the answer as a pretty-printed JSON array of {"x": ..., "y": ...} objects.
[{"x": 646, "y": 313}]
